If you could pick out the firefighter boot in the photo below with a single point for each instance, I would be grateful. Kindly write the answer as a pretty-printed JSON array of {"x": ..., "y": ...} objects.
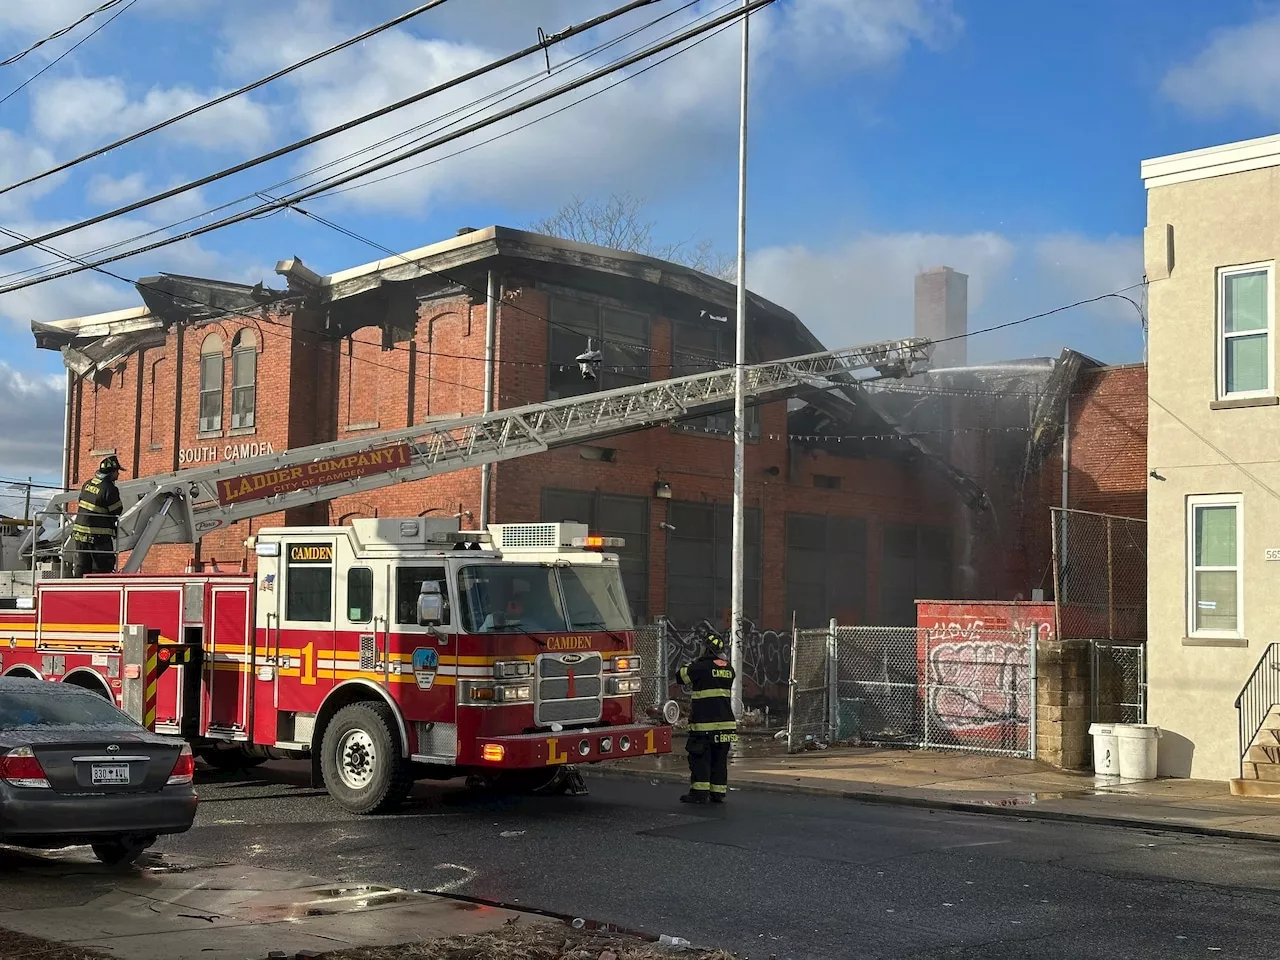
[{"x": 693, "y": 796}]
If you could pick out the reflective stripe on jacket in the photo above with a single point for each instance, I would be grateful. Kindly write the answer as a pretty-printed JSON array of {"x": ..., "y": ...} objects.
[
  {"x": 711, "y": 678},
  {"x": 98, "y": 510}
]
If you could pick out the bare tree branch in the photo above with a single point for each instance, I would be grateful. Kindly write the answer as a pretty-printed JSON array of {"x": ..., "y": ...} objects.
[{"x": 619, "y": 223}]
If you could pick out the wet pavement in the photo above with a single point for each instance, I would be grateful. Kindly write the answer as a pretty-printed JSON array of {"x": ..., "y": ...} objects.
[{"x": 773, "y": 874}]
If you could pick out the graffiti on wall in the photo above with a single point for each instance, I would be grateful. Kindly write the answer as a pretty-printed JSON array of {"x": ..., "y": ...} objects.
[
  {"x": 976, "y": 681},
  {"x": 766, "y": 662}
]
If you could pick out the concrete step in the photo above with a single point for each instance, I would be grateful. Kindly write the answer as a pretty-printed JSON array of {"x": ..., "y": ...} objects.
[
  {"x": 1268, "y": 736},
  {"x": 1255, "y": 788},
  {"x": 1269, "y": 772},
  {"x": 1263, "y": 753}
]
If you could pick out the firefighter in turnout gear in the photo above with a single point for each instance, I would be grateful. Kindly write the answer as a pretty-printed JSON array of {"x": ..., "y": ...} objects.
[
  {"x": 712, "y": 726},
  {"x": 93, "y": 530}
]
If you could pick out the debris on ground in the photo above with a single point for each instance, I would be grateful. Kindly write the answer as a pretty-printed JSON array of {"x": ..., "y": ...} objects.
[
  {"x": 533, "y": 941},
  {"x": 18, "y": 946}
]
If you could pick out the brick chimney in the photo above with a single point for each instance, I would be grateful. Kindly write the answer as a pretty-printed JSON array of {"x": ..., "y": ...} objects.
[{"x": 942, "y": 311}]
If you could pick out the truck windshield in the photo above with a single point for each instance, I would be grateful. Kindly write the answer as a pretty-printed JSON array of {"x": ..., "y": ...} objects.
[
  {"x": 516, "y": 598},
  {"x": 595, "y": 598},
  {"x": 510, "y": 598}
]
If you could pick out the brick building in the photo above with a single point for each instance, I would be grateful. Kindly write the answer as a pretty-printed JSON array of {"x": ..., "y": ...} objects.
[{"x": 849, "y": 514}]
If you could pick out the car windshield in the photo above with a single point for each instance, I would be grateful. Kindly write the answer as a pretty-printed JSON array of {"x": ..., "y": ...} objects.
[
  {"x": 510, "y": 598},
  {"x": 23, "y": 711},
  {"x": 594, "y": 598}
]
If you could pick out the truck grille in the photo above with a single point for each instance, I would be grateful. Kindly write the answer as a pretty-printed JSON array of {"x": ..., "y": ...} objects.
[{"x": 569, "y": 689}]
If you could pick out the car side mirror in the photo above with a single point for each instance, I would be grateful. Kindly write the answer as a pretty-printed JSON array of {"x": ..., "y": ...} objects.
[{"x": 430, "y": 605}]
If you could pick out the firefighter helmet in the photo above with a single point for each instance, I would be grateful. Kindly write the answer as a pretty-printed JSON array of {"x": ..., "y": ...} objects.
[
  {"x": 711, "y": 638},
  {"x": 109, "y": 464}
]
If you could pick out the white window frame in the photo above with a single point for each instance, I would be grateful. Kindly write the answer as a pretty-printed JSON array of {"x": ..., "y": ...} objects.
[
  {"x": 1269, "y": 267},
  {"x": 1235, "y": 500}
]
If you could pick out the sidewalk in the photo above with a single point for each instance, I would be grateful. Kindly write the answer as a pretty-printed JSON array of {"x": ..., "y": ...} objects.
[{"x": 979, "y": 784}]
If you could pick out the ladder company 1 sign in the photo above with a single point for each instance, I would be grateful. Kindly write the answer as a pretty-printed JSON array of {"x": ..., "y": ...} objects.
[{"x": 269, "y": 483}]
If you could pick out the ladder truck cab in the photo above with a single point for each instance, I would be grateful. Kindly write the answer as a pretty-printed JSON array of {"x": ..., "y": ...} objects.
[{"x": 386, "y": 651}]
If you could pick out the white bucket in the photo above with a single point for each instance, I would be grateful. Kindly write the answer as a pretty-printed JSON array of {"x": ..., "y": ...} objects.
[
  {"x": 1106, "y": 749},
  {"x": 1138, "y": 746}
]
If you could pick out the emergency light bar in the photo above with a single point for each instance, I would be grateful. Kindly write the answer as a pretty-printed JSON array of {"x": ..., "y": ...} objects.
[
  {"x": 461, "y": 536},
  {"x": 596, "y": 543}
]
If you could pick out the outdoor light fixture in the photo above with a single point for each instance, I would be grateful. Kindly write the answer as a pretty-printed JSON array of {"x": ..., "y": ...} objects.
[
  {"x": 662, "y": 490},
  {"x": 1156, "y": 476}
]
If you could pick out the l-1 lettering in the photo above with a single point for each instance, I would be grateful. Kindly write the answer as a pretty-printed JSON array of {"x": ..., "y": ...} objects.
[{"x": 563, "y": 756}]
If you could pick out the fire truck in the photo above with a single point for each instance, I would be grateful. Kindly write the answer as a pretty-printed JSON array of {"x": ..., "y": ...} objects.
[{"x": 391, "y": 649}]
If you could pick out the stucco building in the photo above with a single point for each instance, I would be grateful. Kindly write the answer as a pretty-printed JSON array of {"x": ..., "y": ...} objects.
[{"x": 1211, "y": 244}]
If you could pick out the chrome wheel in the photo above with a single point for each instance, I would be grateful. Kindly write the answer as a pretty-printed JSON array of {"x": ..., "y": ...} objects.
[{"x": 357, "y": 759}]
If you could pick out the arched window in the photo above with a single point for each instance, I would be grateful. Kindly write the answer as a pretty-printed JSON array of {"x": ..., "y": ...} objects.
[
  {"x": 211, "y": 362},
  {"x": 244, "y": 379}
]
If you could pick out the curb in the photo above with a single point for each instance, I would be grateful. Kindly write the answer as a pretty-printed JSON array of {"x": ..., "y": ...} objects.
[{"x": 957, "y": 806}]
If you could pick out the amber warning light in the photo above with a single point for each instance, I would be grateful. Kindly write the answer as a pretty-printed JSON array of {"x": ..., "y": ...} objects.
[{"x": 598, "y": 543}]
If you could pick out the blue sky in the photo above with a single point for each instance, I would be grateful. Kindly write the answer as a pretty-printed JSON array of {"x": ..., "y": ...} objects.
[{"x": 999, "y": 138}]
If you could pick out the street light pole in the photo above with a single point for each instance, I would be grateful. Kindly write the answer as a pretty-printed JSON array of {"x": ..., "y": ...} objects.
[
  {"x": 26, "y": 507},
  {"x": 740, "y": 383}
]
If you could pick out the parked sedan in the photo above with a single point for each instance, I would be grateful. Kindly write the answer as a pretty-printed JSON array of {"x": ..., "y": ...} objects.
[{"x": 74, "y": 769}]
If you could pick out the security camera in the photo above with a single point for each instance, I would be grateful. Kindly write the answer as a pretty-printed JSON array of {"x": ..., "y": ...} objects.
[{"x": 666, "y": 526}]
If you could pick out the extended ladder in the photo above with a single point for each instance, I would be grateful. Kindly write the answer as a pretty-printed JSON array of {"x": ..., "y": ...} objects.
[{"x": 184, "y": 506}]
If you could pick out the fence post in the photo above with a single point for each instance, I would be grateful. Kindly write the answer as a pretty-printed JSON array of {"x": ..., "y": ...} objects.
[
  {"x": 833, "y": 680},
  {"x": 1032, "y": 726},
  {"x": 660, "y": 673},
  {"x": 1111, "y": 606},
  {"x": 791, "y": 693},
  {"x": 1059, "y": 557}
]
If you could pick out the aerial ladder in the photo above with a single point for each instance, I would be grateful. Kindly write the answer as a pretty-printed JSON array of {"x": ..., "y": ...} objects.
[{"x": 184, "y": 506}]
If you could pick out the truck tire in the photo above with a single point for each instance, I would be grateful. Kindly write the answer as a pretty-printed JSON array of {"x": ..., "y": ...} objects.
[{"x": 361, "y": 762}]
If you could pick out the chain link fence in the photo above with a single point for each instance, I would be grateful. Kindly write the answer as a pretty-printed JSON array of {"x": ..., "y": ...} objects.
[
  {"x": 971, "y": 690},
  {"x": 650, "y": 645},
  {"x": 1118, "y": 679},
  {"x": 1100, "y": 575}
]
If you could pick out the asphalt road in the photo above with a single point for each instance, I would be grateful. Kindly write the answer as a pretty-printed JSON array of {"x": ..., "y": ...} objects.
[{"x": 773, "y": 874}]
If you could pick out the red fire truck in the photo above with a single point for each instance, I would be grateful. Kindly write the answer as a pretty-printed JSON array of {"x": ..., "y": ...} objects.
[
  {"x": 390, "y": 649},
  {"x": 386, "y": 651}
]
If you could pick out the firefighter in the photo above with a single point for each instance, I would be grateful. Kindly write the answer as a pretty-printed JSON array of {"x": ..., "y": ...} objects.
[
  {"x": 93, "y": 530},
  {"x": 712, "y": 727}
]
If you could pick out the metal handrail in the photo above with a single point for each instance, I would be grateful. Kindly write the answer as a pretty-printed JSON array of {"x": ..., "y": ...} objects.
[{"x": 1259, "y": 694}]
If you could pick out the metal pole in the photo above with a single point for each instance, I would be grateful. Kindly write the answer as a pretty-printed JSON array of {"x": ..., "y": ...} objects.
[
  {"x": 490, "y": 329},
  {"x": 740, "y": 387},
  {"x": 1111, "y": 598},
  {"x": 26, "y": 506},
  {"x": 833, "y": 685},
  {"x": 1035, "y": 691}
]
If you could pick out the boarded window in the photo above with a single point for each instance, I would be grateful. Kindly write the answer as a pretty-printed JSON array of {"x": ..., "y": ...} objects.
[
  {"x": 699, "y": 572},
  {"x": 621, "y": 336},
  {"x": 699, "y": 348},
  {"x": 915, "y": 565},
  {"x": 826, "y": 569},
  {"x": 611, "y": 515}
]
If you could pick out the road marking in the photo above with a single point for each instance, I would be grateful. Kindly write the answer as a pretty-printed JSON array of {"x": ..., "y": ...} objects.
[{"x": 450, "y": 886}]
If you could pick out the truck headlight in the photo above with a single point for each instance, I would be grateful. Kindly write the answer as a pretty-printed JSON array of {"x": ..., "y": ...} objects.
[
  {"x": 507, "y": 669},
  {"x": 630, "y": 664},
  {"x": 620, "y": 686},
  {"x": 514, "y": 692}
]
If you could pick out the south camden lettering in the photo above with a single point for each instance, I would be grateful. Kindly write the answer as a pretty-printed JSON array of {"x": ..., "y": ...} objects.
[{"x": 270, "y": 483}]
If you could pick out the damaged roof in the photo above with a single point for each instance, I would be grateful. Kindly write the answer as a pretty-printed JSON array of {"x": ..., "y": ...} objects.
[{"x": 458, "y": 264}]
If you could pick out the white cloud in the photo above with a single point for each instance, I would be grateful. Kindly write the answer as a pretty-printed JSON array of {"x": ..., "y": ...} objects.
[
  {"x": 31, "y": 407},
  {"x": 1239, "y": 67},
  {"x": 658, "y": 126},
  {"x": 19, "y": 159},
  {"x": 864, "y": 290},
  {"x": 92, "y": 108}
]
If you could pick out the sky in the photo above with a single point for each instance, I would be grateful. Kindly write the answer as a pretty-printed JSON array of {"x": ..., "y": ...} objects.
[{"x": 999, "y": 138}]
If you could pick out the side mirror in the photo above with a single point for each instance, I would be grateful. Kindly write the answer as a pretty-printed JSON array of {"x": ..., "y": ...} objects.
[{"x": 430, "y": 605}]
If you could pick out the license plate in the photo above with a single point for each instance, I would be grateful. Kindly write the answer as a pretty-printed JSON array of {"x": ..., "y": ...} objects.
[{"x": 103, "y": 773}]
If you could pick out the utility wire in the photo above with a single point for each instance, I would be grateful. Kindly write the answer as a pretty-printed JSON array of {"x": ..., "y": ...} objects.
[
  {"x": 496, "y": 96},
  {"x": 391, "y": 161},
  {"x": 335, "y": 130},
  {"x": 66, "y": 53},
  {"x": 216, "y": 101},
  {"x": 9, "y": 61}
]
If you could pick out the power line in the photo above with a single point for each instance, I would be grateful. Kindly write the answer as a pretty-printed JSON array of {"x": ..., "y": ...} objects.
[
  {"x": 496, "y": 96},
  {"x": 565, "y": 34},
  {"x": 66, "y": 53},
  {"x": 216, "y": 101},
  {"x": 9, "y": 61},
  {"x": 391, "y": 161}
]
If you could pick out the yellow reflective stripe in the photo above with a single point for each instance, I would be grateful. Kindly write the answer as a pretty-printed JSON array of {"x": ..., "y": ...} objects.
[
  {"x": 717, "y": 725},
  {"x": 700, "y": 785},
  {"x": 683, "y": 675},
  {"x": 94, "y": 531},
  {"x": 90, "y": 507},
  {"x": 719, "y": 788},
  {"x": 704, "y": 694}
]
